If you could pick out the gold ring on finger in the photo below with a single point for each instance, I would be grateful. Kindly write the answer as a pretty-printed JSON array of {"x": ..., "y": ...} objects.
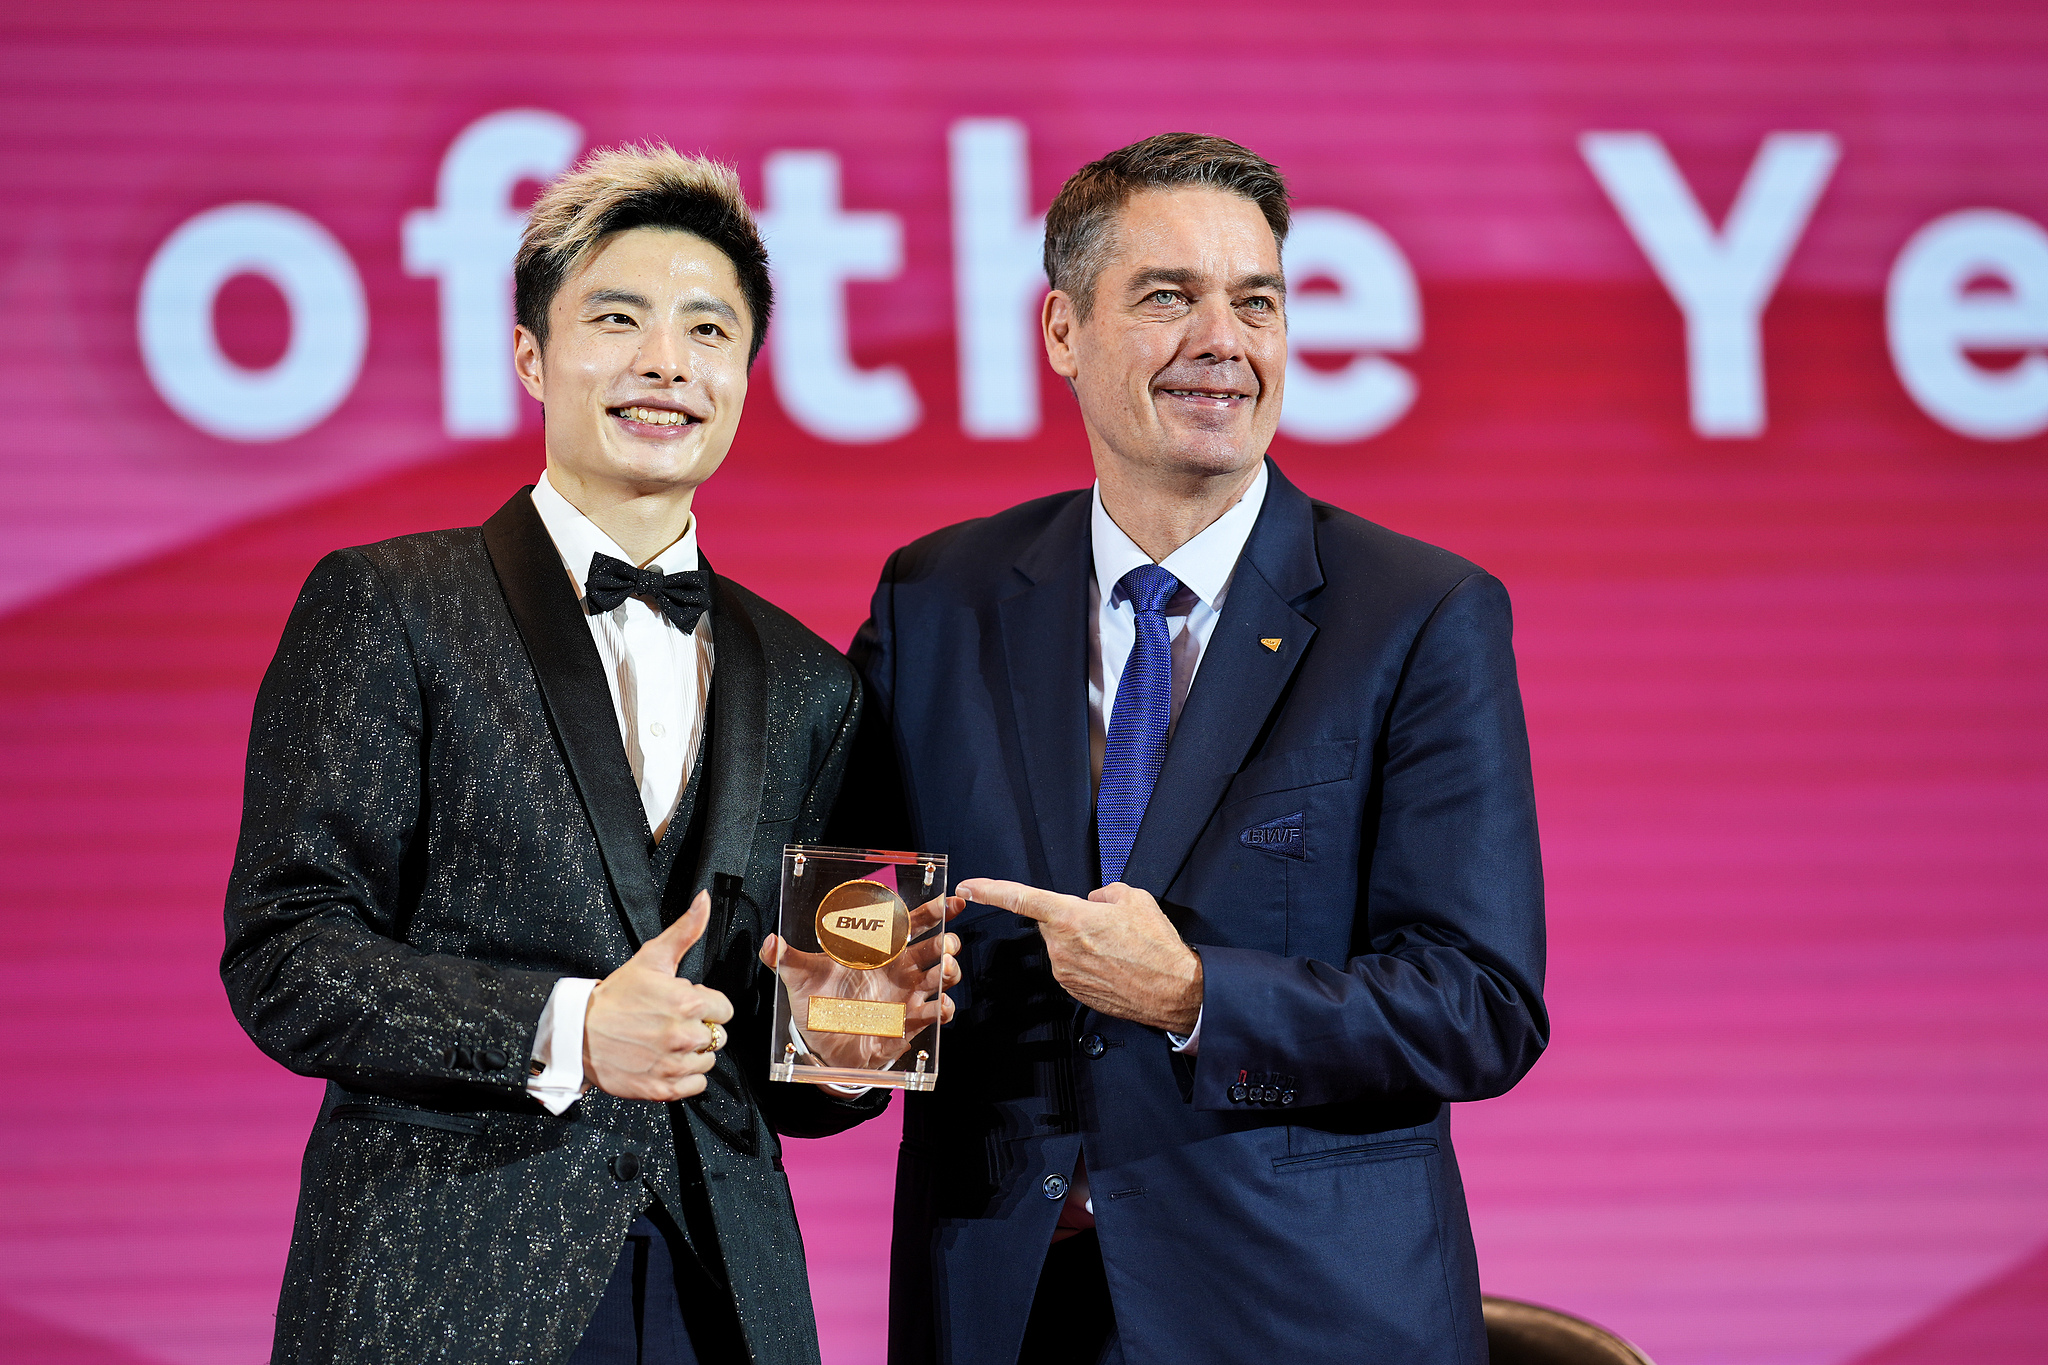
[{"x": 717, "y": 1038}]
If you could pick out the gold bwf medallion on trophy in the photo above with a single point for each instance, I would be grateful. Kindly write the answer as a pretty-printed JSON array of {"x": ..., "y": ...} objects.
[
  {"x": 856, "y": 988},
  {"x": 862, "y": 925}
]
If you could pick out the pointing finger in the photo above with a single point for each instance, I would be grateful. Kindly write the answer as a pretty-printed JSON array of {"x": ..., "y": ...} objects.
[{"x": 1024, "y": 900}]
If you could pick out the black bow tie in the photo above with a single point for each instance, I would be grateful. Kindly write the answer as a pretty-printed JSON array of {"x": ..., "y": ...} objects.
[{"x": 684, "y": 597}]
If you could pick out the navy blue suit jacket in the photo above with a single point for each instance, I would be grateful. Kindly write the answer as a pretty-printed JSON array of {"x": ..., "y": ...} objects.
[{"x": 1344, "y": 827}]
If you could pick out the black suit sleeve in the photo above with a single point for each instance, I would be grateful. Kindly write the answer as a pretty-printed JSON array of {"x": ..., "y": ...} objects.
[
  {"x": 1443, "y": 996},
  {"x": 802, "y": 1110},
  {"x": 314, "y": 965}
]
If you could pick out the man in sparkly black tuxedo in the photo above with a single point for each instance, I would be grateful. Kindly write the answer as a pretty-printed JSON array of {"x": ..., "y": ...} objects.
[{"x": 515, "y": 805}]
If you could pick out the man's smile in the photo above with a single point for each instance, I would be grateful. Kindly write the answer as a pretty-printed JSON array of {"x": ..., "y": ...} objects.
[
  {"x": 652, "y": 417},
  {"x": 1221, "y": 400}
]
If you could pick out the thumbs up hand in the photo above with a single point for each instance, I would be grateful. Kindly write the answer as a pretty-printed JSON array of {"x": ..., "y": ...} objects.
[{"x": 648, "y": 1034}]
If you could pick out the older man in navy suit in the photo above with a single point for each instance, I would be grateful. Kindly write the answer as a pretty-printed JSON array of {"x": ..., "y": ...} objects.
[{"x": 1240, "y": 786}]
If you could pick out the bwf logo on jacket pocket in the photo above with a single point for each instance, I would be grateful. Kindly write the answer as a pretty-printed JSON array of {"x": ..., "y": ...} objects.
[{"x": 1283, "y": 836}]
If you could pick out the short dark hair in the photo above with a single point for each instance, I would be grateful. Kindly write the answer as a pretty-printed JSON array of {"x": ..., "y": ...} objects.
[
  {"x": 1076, "y": 226},
  {"x": 628, "y": 187}
]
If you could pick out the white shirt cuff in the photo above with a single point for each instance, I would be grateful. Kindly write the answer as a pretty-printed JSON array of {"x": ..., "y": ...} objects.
[
  {"x": 558, "y": 1045},
  {"x": 850, "y": 1091},
  {"x": 1192, "y": 1044}
]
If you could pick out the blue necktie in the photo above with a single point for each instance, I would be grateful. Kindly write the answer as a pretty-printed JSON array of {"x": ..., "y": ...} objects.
[{"x": 1136, "y": 743}]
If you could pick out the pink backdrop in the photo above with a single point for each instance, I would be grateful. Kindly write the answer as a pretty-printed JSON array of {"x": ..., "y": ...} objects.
[{"x": 1778, "y": 561}]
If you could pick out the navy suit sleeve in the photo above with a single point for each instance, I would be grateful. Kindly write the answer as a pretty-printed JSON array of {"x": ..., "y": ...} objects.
[
  {"x": 871, "y": 811},
  {"x": 1443, "y": 995},
  {"x": 874, "y": 642}
]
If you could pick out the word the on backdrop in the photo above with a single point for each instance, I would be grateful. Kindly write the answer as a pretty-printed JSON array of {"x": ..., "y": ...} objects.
[{"x": 1975, "y": 280}]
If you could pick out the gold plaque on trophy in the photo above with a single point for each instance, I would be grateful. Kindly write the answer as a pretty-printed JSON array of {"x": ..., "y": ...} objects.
[
  {"x": 862, "y": 924},
  {"x": 869, "y": 1018}
]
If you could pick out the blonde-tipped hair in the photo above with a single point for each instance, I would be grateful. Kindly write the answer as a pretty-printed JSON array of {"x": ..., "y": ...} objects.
[{"x": 652, "y": 185}]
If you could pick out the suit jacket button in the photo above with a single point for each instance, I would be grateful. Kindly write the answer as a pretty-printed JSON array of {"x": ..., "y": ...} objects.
[
  {"x": 626, "y": 1165},
  {"x": 493, "y": 1059},
  {"x": 1055, "y": 1186},
  {"x": 1238, "y": 1092},
  {"x": 1093, "y": 1045},
  {"x": 1287, "y": 1097}
]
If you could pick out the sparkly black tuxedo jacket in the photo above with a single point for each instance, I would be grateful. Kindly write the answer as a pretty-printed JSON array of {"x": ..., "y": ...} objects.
[
  {"x": 439, "y": 823},
  {"x": 1344, "y": 827}
]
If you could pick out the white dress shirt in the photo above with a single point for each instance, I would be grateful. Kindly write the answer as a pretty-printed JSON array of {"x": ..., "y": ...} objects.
[
  {"x": 1204, "y": 566},
  {"x": 660, "y": 681}
]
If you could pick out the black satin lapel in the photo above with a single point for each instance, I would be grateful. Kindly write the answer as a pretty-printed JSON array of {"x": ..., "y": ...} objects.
[
  {"x": 739, "y": 747},
  {"x": 1045, "y": 650},
  {"x": 1239, "y": 683},
  {"x": 571, "y": 675}
]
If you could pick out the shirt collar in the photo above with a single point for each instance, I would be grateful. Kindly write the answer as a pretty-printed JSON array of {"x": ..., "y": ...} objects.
[
  {"x": 1203, "y": 565},
  {"x": 577, "y": 538}
]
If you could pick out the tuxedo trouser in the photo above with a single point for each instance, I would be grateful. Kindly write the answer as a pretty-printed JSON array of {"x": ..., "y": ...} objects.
[
  {"x": 660, "y": 1307},
  {"x": 1072, "y": 1321}
]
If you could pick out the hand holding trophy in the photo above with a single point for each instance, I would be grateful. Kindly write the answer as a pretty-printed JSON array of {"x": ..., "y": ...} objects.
[{"x": 860, "y": 976}]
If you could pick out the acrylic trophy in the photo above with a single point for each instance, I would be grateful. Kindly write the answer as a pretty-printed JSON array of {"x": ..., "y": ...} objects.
[{"x": 856, "y": 996}]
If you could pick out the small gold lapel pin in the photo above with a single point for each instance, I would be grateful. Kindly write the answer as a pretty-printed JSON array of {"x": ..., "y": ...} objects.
[{"x": 1273, "y": 644}]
